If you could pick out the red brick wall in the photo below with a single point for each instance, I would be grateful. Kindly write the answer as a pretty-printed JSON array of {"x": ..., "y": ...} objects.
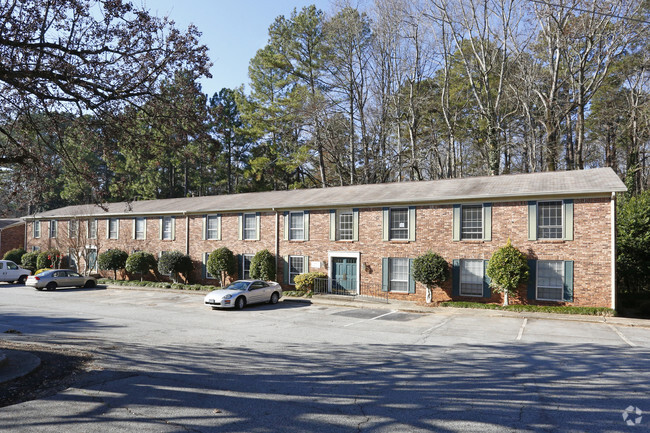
[
  {"x": 590, "y": 250},
  {"x": 12, "y": 237}
]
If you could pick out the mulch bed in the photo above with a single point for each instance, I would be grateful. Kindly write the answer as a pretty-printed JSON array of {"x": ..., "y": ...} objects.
[{"x": 60, "y": 367}]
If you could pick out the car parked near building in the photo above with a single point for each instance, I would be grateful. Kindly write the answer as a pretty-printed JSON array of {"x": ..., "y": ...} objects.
[
  {"x": 50, "y": 280},
  {"x": 242, "y": 292},
  {"x": 11, "y": 272}
]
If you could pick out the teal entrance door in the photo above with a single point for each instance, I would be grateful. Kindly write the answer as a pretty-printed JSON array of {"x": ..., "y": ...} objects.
[{"x": 344, "y": 272}]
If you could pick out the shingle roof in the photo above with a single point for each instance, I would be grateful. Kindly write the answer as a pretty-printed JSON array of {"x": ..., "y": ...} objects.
[
  {"x": 560, "y": 183},
  {"x": 6, "y": 222}
]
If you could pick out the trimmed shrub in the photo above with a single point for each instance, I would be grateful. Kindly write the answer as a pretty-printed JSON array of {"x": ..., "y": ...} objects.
[
  {"x": 140, "y": 263},
  {"x": 15, "y": 255},
  {"x": 222, "y": 262},
  {"x": 305, "y": 282},
  {"x": 28, "y": 261},
  {"x": 175, "y": 263},
  {"x": 430, "y": 269},
  {"x": 112, "y": 260},
  {"x": 507, "y": 269},
  {"x": 49, "y": 259},
  {"x": 263, "y": 266}
]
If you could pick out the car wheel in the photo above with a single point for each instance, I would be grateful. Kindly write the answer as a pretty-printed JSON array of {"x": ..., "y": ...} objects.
[
  {"x": 39, "y": 288},
  {"x": 240, "y": 303},
  {"x": 274, "y": 298},
  {"x": 90, "y": 284},
  {"x": 22, "y": 279},
  {"x": 50, "y": 286}
]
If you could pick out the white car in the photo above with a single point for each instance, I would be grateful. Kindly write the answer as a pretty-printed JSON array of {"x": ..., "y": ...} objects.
[
  {"x": 10, "y": 272},
  {"x": 243, "y": 292}
]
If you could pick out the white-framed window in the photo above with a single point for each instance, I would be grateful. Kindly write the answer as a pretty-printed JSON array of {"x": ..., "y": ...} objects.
[
  {"x": 345, "y": 225},
  {"x": 471, "y": 222},
  {"x": 399, "y": 223},
  {"x": 113, "y": 228},
  {"x": 208, "y": 275},
  {"x": 250, "y": 226},
  {"x": 398, "y": 274},
  {"x": 72, "y": 262},
  {"x": 246, "y": 265},
  {"x": 140, "y": 228},
  {"x": 92, "y": 228},
  {"x": 91, "y": 257},
  {"x": 36, "y": 248},
  {"x": 550, "y": 280},
  {"x": 296, "y": 267},
  {"x": 549, "y": 220},
  {"x": 53, "y": 228},
  {"x": 212, "y": 229},
  {"x": 471, "y": 277},
  {"x": 167, "y": 228},
  {"x": 73, "y": 228},
  {"x": 296, "y": 226},
  {"x": 160, "y": 254},
  {"x": 37, "y": 229}
]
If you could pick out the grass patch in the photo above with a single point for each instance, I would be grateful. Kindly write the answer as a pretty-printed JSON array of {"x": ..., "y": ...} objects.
[
  {"x": 586, "y": 311},
  {"x": 158, "y": 285}
]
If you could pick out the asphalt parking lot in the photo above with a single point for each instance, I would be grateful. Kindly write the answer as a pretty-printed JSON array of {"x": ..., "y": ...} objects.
[{"x": 166, "y": 363}]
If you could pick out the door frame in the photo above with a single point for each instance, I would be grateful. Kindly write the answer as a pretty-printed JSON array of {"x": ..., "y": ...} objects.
[{"x": 346, "y": 255}]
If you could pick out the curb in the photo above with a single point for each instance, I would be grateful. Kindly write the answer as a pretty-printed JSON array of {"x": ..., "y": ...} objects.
[{"x": 18, "y": 364}]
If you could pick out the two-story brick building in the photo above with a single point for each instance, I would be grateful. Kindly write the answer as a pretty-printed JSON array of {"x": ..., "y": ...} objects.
[{"x": 368, "y": 235}]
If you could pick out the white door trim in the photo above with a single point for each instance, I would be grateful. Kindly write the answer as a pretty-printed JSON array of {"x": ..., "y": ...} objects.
[{"x": 343, "y": 254}]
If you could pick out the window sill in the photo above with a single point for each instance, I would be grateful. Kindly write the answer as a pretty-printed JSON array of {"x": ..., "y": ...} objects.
[
  {"x": 399, "y": 241},
  {"x": 472, "y": 241},
  {"x": 345, "y": 241},
  {"x": 298, "y": 240},
  {"x": 552, "y": 241}
]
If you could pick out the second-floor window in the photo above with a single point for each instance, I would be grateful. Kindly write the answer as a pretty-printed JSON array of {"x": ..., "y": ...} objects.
[
  {"x": 52, "y": 228},
  {"x": 296, "y": 226},
  {"x": 113, "y": 228},
  {"x": 212, "y": 230},
  {"x": 140, "y": 228},
  {"x": 37, "y": 229},
  {"x": 399, "y": 223},
  {"x": 472, "y": 222},
  {"x": 92, "y": 229},
  {"x": 345, "y": 225},
  {"x": 167, "y": 228},
  {"x": 73, "y": 228},
  {"x": 250, "y": 226}
]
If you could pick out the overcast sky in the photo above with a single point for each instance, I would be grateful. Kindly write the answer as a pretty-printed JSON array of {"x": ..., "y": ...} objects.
[{"x": 233, "y": 30}]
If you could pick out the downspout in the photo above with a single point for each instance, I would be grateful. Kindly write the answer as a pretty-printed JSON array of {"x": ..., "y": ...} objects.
[
  {"x": 187, "y": 233},
  {"x": 613, "y": 269},
  {"x": 25, "y": 240},
  {"x": 277, "y": 242}
]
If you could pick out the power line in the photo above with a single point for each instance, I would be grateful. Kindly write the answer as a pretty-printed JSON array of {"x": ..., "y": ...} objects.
[{"x": 574, "y": 8}]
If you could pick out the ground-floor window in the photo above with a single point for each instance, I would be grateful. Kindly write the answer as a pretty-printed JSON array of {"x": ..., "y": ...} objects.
[
  {"x": 398, "y": 274},
  {"x": 550, "y": 280},
  {"x": 246, "y": 265},
  {"x": 208, "y": 275},
  {"x": 296, "y": 267},
  {"x": 471, "y": 277}
]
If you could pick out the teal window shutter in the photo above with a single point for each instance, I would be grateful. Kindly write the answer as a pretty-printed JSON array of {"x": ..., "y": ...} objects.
[
  {"x": 306, "y": 225},
  {"x": 240, "y": 268},
  {"x": 258, "y": 225},
  {"x": 355, "y": 224},
  {"x": 385, "y": 283},
  {"x": 332, "y": 224},
  {"x": 532, "y": 220},
  {"x": 532, "y": 279},
  {"x": 455, "y": 277},
  {"x": 412, "y": 223},
  {"x": 286, "y": 269},
  {"x": 385, "y": 223},
  {"x": 568, "y": 220},
  {"x": 240, "y": 226},
  {"x": 487, "y": 221},
  {"x": 286, "y": 225},
  {"x": 568, "y": 281},
  {"x": 411, "y": 279},
  {"x": 455, "y": 226},
  {"x": 487, "y": 291},
  {"x": 204, "y": 267}
]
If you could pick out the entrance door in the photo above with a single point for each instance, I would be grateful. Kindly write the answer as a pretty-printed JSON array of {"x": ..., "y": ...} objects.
[{"x": 344, "y": 273}]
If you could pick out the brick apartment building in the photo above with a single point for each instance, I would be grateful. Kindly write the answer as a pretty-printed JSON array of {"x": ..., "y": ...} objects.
[
  {"x": 368, "y": 235},
  {"x": 12, "y": 234}
]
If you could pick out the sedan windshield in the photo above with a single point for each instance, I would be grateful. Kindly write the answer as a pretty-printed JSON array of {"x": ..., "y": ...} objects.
[{"x": 238, "y": 285}]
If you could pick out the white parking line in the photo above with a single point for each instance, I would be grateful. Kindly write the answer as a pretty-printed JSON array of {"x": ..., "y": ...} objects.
[
  {"x": 444, "y": 322},
  {"x": 620, "y": 334},
  {"x": 367, "y": 320},
  {"x": 521, "y": 330}
]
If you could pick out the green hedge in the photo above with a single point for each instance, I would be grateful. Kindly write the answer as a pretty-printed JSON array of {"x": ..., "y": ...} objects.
[
  {"x": 157, "y": 284},
  {"x": 587, "y": 311}
]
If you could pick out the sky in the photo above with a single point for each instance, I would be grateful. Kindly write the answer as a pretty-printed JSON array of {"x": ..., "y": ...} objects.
[{"x": 233, "y": 31}]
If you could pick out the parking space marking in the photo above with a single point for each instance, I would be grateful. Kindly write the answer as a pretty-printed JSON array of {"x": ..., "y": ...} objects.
[
  {"x": 444, "y": 322},
  {"x": 620, "y": 334},
  {"x": 373, "y": 318},
  {"x": 521, "y": 330}
]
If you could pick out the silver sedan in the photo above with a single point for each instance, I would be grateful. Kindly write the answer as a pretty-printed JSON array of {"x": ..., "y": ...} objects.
[
  {"x": 50, "y": 280},
  {"x": 243, "y": 292}
]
